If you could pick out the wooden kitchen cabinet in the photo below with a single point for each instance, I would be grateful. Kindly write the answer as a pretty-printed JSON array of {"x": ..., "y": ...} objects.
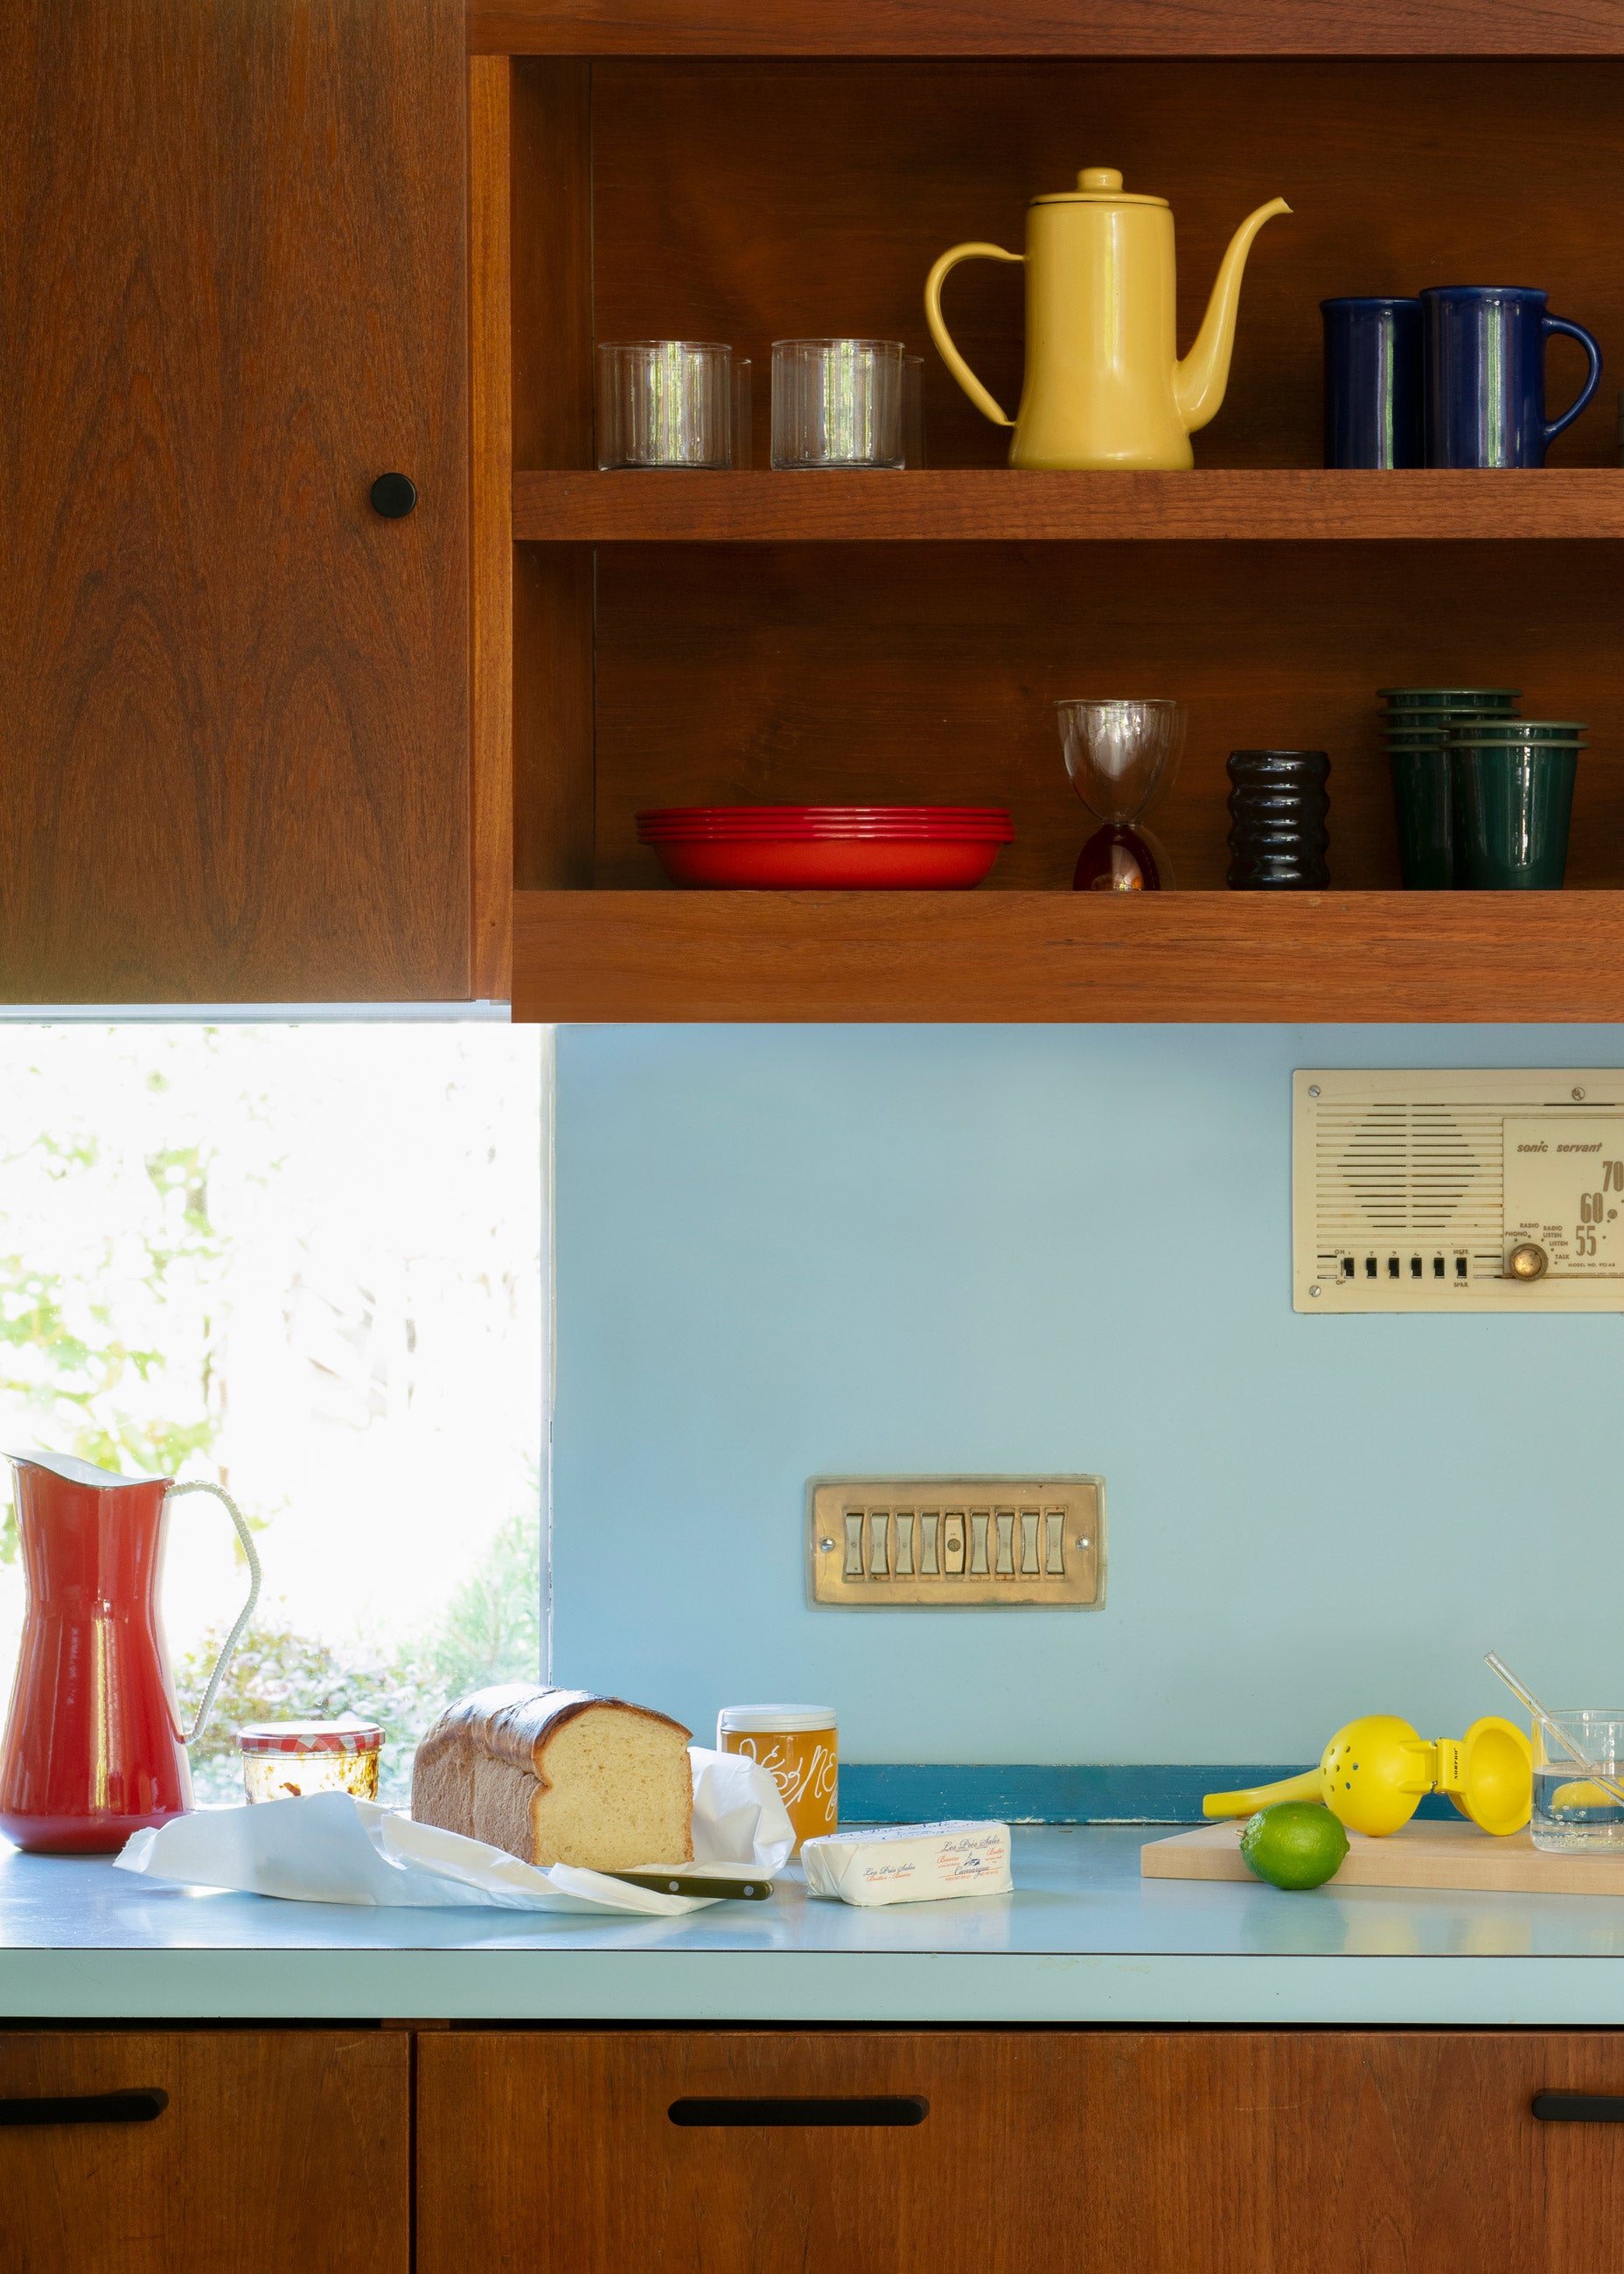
[
  {"x": 754, "y": 169},
  {"x": 234, "y": 697},
  {"x": 279, "y": 2151},
  {"x": 1163, "y": 2152}
]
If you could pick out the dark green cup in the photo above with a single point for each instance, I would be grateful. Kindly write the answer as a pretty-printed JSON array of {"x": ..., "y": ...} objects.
[
  {"x": 1417, "y": 742},
  {"x": 1498, "y": 699},
  {"x": 1423, "y": 806},
  {"x": 1520, "y": 731},
  {"x": 1513, "y": 803}
]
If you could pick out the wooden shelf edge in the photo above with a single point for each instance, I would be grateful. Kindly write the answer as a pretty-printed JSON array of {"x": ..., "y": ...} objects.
[
  {"x": 995, "y": 506},
  {"x": 724, "y": 28},
  {"x": 1037, "y": 957}
]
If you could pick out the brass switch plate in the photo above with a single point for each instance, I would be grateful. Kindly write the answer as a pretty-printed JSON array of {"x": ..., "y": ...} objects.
[{"x": 1012, "y": 1543}]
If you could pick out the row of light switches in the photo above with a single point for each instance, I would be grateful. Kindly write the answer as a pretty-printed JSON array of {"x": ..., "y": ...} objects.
[{"x": 976, "y": 1543}]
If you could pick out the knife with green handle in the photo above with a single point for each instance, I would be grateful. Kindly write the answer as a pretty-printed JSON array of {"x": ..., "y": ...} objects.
[{"x": 701, "y": 1880}]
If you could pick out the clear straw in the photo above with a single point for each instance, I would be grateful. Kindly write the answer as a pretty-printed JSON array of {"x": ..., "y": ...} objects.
[{"x": 1596, "y": 1776}]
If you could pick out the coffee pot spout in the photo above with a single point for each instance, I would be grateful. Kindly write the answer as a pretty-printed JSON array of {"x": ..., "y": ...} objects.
[{"x": 1200, "y": 380}]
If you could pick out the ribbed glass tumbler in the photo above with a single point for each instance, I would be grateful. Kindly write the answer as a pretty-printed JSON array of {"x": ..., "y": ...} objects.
[
  {"x": 665, "y": 403},
  {"x": 837, "y": 403}
]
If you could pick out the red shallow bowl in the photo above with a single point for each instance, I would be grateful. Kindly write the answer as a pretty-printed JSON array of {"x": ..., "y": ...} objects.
[
  {"x": 828, "y": 864},
  {"x": 828, "y": 815},
  {"x": 977, "y": 833}
]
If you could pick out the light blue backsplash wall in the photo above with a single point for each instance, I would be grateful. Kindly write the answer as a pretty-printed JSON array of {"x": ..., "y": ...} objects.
[{"x": 790, "y": 1251}]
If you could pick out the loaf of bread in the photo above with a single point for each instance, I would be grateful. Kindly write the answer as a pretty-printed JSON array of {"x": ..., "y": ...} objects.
[{"x": 558, "y": 1776}]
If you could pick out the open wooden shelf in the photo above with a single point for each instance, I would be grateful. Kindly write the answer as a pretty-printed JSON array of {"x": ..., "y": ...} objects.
[
  {"x": 1043, "y": 27},
  {"x": 753, "y": 170},
  {"x": 1285, "y": 504},
  {"x": 1042, "y": 956}
]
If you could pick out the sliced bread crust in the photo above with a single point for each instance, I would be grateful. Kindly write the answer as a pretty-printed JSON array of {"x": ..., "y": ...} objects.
[{"x": 559, "y": 1776}]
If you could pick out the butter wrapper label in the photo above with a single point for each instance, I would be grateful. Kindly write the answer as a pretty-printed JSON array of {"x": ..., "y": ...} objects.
[{"x": 910, "y": 1863}]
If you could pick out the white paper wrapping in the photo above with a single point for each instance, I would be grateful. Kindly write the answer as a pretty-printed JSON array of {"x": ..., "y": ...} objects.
[
  {"x": 910, "y": 1863},
  {"x": 328, "y": 1847}
]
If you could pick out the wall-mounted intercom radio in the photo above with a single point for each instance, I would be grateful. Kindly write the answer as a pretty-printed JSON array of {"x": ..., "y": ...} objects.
[{"x": 1458, "y": 1191}]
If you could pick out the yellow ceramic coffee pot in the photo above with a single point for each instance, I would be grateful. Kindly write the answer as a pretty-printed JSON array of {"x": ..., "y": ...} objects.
[
  {"x": 1103, "y": 383},
  {"x": 1374, "y": 1772}
]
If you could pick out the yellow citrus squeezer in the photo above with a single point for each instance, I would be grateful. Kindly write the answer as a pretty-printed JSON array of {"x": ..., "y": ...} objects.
[{"x": 1374, "y": 1773}]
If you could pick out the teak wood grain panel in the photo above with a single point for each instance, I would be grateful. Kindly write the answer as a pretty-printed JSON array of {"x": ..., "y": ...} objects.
[
  {"x": 1293, "y": 957},
  {"x": 552, "y": 177},
  {"x": 1044, "y": 27},
  {"x": 1277, "y": 505},
  {"x": 282, "y": 2151},
  {"x": 490, "y": 399},
  {"x": 234, "y": 753},
  {"x": 737, "y": 675},
  {"x": 750, "y": 203},
  {"x": 1230, "y": 2151}
]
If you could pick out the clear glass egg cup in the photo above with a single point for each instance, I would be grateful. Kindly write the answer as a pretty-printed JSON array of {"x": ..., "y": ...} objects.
[{"x": 1122, "y": 753}]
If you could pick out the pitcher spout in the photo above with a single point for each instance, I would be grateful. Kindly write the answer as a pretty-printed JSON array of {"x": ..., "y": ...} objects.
[{"x": 1200, "y": 380}]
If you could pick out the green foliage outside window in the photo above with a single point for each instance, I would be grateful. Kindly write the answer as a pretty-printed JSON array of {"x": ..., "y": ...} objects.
[
  {"x": 65, "y": 1360},
  {"x": 491, "y": 1633}
]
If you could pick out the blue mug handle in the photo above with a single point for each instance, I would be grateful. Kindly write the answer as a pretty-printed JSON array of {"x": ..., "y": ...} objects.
[{"x": 1549, "y": 324}]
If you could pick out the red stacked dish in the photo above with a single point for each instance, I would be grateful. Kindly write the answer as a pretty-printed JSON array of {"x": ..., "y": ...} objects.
[{"x": 889, "y": 848}]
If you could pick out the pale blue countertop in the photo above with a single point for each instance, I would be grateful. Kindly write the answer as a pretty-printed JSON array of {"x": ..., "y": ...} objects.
[{"x": 1083, "y": 1938}]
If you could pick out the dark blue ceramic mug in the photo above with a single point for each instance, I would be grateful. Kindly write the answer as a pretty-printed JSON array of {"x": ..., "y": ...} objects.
[
  {"x": 1486, "y": 376},
  {"x": 1372, "y": 382}
]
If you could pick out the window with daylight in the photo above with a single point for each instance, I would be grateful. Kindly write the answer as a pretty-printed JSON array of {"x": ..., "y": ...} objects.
[{"x": 307, "y": 1264}]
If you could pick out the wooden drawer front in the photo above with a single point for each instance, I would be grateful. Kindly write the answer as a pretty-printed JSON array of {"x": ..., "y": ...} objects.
[
  {"x": 1161, "y": 2152},
  {"x": 279, "y": 2150}
]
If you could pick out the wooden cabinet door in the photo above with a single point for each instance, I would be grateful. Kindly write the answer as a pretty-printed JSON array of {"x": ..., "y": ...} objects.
[
  {"x": 279, "y": 2151},
  {"x": 1199, "y": 2151},
  {"x": 234, "y": 760}
]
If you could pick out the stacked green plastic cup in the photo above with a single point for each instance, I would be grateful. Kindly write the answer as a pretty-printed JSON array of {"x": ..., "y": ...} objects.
[
  {"x": 1420, "y": 727},
  {"x": 1514, "y": 788}
]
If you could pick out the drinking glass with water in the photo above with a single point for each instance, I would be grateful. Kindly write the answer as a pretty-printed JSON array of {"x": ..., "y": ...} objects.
[{"x": 1575, "y": 1814}]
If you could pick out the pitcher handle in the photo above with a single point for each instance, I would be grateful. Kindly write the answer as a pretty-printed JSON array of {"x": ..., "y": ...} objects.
[
  {"x": 244, "y": 1615},
  {"x": 1549, "y": 324},
  {"x": 961, "y": 371}
]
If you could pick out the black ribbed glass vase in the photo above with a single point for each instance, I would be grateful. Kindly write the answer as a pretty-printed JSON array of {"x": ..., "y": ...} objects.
[{"x": 1278, "y": 805}]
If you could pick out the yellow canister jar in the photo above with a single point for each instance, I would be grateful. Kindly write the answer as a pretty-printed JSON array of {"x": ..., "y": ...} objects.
[{"x": 799, "y": 1745}]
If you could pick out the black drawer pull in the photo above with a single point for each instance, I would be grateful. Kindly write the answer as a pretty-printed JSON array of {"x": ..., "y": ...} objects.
[
  {"x": 888, "y": 2108},
  {"x": 1579, "y": 2107},
  {"x": 84, "y": 2108}
]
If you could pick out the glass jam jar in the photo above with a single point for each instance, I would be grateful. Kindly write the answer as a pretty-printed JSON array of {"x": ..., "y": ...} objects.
[
  {"x": 799, "y": 1745},
  {"x": 283, "y": 1760}
]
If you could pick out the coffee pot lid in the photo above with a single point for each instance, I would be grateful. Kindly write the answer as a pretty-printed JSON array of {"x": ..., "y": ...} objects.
[
  {"x": 78, "y": 1472},
  {"x": 1098, "y": 186}
]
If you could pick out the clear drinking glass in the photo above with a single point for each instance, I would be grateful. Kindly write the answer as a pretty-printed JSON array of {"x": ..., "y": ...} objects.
[
  {"x": 1573, "y": 1815},
  {"x": 837, "y": 403},
  {"x": 1122, "y": 753},
  {"x": 743, "y": 429},
  {"x": 913, "y": 411},
  {"x": 664, "y": 402}
]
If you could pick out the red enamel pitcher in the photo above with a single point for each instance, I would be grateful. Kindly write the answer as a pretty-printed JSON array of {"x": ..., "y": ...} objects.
[{"x": 94, "y": 1745}]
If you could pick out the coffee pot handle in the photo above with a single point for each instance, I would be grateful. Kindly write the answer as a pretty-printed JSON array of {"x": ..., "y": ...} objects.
[
  {"x": 1549, "y": 324},
  {"x": 191, "y": 1736},
  {"x": 961, "y": 371}
]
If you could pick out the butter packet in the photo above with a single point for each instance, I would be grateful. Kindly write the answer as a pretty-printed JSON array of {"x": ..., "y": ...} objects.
[{"x": 910, "y": 1863}]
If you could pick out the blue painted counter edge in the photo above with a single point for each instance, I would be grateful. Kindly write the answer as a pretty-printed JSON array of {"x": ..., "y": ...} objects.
[
  {"x": 922, "y": 1792},
  {"x": 712, "y": 1990}
]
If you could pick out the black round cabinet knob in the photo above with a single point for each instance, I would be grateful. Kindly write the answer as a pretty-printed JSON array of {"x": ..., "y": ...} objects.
[{"x": 393, "y": 496}]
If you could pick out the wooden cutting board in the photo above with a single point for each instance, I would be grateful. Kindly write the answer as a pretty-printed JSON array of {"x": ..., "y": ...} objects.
[{"x": 1420, "y": 1855}]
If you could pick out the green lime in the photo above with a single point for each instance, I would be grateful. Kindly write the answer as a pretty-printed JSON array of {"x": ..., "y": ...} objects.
[{"x": 1297, "y": 1843}]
